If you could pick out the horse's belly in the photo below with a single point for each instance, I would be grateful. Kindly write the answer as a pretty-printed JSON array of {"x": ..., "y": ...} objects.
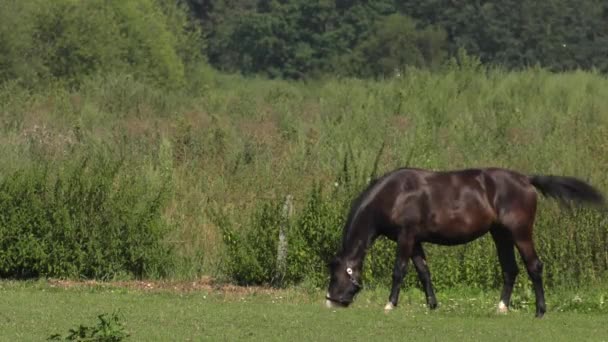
[
  {"x": 453, "y": 235},
  {"x": 455, "y": 227}
]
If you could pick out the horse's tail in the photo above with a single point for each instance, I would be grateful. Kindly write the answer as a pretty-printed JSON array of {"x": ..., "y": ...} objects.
[{"x": 568, "y": 189}]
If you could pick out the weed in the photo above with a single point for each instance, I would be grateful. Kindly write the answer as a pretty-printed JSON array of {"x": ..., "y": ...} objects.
[{"x": 108, "y": 329}]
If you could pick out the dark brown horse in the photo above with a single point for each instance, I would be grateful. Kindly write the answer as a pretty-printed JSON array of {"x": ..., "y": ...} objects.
[{"x": 412, "y": 206}]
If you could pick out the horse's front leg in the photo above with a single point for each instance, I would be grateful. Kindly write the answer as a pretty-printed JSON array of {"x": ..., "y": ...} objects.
[{"x": 405, "y": 245}]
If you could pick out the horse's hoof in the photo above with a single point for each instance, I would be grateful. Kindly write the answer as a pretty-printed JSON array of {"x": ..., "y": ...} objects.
[
  {"x": 432, "y": 305},
  {"x": 389, "y": 307},
  {"x": 502, "y": 308}
]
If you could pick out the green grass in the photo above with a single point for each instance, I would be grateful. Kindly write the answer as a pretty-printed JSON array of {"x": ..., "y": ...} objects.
[{"x": 31, "y": 311}]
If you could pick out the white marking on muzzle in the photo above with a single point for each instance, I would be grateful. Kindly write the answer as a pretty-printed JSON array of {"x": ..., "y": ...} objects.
[
  {"x": 502, "y": 307},
  {"x": 329, "y": 304},
  {"x": 389, "y": 306}
]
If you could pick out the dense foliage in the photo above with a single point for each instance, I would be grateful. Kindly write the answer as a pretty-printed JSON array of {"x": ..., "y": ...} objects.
[
  {"x": 90, "y": 217},
  {"x": 297, "y": 38},
  {"x": 166, "y": 41},
  {"x": 69, "y": 41}
]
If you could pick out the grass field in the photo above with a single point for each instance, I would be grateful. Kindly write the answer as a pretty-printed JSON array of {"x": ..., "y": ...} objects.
[{"x": 194, "y": 311}]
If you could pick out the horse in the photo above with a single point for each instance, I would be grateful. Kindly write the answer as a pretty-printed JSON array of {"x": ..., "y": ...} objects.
[{"x": 412, "y": 206}]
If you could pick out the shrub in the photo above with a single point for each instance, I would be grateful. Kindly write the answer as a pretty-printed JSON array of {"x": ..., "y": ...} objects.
[
  {"x": 69, "y": 41},
  {"x": 90, "y": 217},
  {"x": 312, "y": 238}
]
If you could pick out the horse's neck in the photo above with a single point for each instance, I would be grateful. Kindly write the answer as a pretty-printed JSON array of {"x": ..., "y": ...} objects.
[{"x": 357, "y": 242}]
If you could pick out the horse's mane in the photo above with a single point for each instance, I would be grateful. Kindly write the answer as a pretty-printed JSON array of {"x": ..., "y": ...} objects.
[{"x": 355, "y": 204}]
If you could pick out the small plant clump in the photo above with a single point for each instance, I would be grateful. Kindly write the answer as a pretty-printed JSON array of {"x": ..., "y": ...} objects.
[{"x": 109, "y": 328}]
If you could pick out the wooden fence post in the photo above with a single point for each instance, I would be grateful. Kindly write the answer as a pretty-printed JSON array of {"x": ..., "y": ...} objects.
[{"x": 282, "y": 245}]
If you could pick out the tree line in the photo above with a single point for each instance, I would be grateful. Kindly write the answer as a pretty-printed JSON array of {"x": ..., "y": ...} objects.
[
  {"x": 171, "y": 42},
  {"x": 300, "y": 38}
]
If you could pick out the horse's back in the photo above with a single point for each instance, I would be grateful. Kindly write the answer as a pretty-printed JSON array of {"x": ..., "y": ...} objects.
[{"x": 456, "y": 206}]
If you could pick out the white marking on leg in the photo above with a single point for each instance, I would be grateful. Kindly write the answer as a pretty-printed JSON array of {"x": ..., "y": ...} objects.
[
  {"x": 389, "y": 306},
  {"x": 502, "y": 307}
]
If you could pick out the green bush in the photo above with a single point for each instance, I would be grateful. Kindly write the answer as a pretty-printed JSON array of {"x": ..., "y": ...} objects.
[
  {"x": 89, "y": 217},
  {"x": 68, "y": 41},
  {"x": 313, "y": 237}
]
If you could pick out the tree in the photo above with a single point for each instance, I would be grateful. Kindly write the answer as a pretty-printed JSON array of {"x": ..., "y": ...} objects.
[
  {"x": 396, "y": 44},
  {"x": 67, "y": 40},
  {"x": 557, "y": 34}
]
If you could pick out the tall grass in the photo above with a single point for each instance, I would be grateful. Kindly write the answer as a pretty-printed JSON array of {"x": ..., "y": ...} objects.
[{"x": 243, "y": 144}]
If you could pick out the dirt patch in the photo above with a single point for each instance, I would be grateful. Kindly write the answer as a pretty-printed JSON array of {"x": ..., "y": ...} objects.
[
  {"x": 263, "y": 133},
  {"x": 400, "y": 123},
  {"x": 202, "y": 284}
]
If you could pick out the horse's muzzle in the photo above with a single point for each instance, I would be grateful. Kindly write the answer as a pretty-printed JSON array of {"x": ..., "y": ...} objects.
[{"x": 335, "y": 303}]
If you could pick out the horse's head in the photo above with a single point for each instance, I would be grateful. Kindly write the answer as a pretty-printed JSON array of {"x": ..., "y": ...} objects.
[{"x": 344, "y": 283}]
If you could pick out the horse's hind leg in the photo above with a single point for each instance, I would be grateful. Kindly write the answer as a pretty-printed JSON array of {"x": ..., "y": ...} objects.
[
  {"x": 506, "y": 256},
  {"x": 525, "y": 245},
  {"x": 424, "y": 275}
]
